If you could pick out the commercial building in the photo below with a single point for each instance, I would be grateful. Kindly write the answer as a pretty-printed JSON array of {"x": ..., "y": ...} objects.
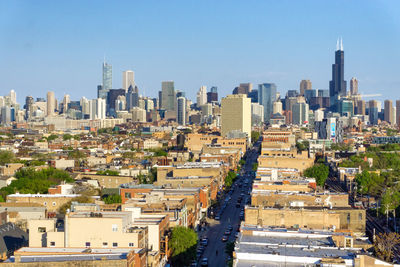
[
  {"x": 128, "y": 79},
  {"x": 239, "y": 108},
  {"x": 168, "y": 95},
  {"x": 267, "y": 97}
]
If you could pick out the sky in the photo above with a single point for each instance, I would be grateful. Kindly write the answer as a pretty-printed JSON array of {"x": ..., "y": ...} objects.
[{"x": 60, "y": 45}]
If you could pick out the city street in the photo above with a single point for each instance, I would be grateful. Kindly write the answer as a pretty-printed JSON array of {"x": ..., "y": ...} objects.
[{"x": 230, "y": 215}]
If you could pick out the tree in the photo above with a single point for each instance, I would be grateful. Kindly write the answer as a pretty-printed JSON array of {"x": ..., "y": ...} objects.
[
  {"x": 183, "y": 244},
  {"x": 108, "y": 172},
  {"x": 385, "y": 244},
  {"x": 302, "y": 146},
  {"x": 80, "y": 199},
  {"x": 319, "y": 171},
  {"x": 255, "y": 166},
  {"x": 30, "y": 181},
  {"x": 229, "y": 248},
  {"x": 112, "y": 199},
  {"x": 51, "y": 137},
  {"x": 255, "y": 136},
  {"x": 6, "y": 157},
  {"x": 67, "y": 137},
  {"x": 230, "y": 178}
]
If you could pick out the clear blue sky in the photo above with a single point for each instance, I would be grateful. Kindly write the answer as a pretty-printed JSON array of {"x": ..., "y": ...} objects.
[{"x": 59, "y": 45}]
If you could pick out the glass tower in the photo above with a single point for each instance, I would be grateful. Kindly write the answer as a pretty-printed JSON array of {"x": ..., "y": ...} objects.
[{"x": 267, "y": 97}]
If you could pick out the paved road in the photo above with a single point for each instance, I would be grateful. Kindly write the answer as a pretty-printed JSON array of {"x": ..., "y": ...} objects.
[{"x": 230, "y": 215}]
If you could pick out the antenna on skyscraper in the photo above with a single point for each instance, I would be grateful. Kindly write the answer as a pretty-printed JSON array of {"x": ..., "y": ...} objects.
[
  {"x": 337, "y": 44},
  {"x": 341, "y": 44}
]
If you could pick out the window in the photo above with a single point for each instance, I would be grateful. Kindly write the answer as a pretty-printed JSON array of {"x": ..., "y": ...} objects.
[
  {"x": 360, "y": 217},
  {"x": 128, "y": 195},
  {"x": 348, "y": 218},
  {"x": 45, "y": 203},
  {"x": 52, "y": 244},
  {"x": 115, "y": 228},
  {"x": 54, "y": 203},
  {"x": 105, "y": 244},
  {"x": 115, "y": 244},
  {"x": 41, "y": 229},
  {"x": 87, "y": 244},
  {"x": 131, "y": 245}
]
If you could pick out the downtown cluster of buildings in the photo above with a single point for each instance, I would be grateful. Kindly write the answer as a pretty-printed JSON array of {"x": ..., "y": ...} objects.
[{"x": 167, "y": 160}]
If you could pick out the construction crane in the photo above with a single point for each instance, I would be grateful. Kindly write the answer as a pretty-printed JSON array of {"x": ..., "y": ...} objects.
[{"x": 371, "y": 95}]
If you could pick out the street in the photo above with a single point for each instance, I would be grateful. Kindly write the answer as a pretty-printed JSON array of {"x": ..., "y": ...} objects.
[{"x": 230, "y": 215}]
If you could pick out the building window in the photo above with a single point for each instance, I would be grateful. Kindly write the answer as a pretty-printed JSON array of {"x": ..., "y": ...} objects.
[
  {"x": 360, "y": 217},
  {"x": 41, "y": 229},
  {"x": 131, "y": 245},
  {"x": 54, "y": 203},
  {"x": 115, "y": 228},
  {"x": 128, "y": 195},
  {"x": 348, "y": 218},
  {"x": 105, "y": 244},
  {"x": 115, "y": 244},
  {"x": 52, "y": 244},
  {"x": 87, "y": 244},
  {"x": 45, "y": 203}
]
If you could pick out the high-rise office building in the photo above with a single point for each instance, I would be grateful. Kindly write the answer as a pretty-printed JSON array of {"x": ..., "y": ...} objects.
[
  {"x": 305, "y": 85},
  {"x": 29, "y": 107},
  {"x": 353, "y": 86},
  {"x": 346, "y": 107},
  {"x": 236, "y": 115},
  {"x": 360, "y": 109},
  {"x": 107, "y": 76},
  {"x": 181, "y": 103},
  {"x": 128, "y": 80},
  {"x": 388, "y": 112},
  {"x": 277, "y": 107},
  {"x": 201, "y": 96},
  {"x": 66, "y": 101},
  {"x": 138, "y": 114},
  {"x": 112, "y": 95},
  {"x": 168, "y": 95},
  {"x": 13, "y": 97},
  {"x": 300, "y": 113},
  {"x": 257, "y": 114},
  {"x": 398, "y": 112},
  {"x": 84, "y": 102},
  {"x": 373, "y": 112},
  {"x": 97, "y": 109},
  {"x": 51, "y": 103},
  {"x": 337, "y": 86},
  {"x": 101, "y": 92},
  {"x": 267, "y": 97},
  {"x": 132, "y": 97},
  {"x": 243, "y": 88}
]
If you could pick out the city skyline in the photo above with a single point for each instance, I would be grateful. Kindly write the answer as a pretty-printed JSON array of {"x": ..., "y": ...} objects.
[{"x": 32, "y": 46}]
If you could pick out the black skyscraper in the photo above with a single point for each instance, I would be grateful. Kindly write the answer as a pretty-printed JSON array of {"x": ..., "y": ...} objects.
[{"x": 337, "y": 87}]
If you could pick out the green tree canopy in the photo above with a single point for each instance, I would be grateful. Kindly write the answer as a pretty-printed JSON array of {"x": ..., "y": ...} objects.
[
  {"x": 319, "y": 171},
  {"x": 6, "y": 157},
  {"x": 230, "y": 178},
  {"x": 112, "y": 199},
  {"x": 108, "y": 172},
  {"x": 183, "y": 245}
]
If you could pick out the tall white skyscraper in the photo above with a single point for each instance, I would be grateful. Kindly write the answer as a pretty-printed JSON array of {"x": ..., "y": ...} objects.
[
  {"x": 181, "y": 110},
  {"x": 51, "y": 103},
  {"x": 66, "y": 101},
  {"x": 85, "y": 106},
  {"x": 13, "y": 97},
  {"x": 202, "y": 96},
  {"x": 97, "y": 109},
  {"x": 128, "y": 79}
]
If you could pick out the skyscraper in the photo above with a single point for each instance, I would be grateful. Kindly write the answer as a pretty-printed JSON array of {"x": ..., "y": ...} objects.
[
  {"x": 236, "y": 114},
  {"x": 305, "y": 85},
  {"x": 398, "y": 112},
  {"x": 51, "y": 103},
  {"x": 360, "y": 107},
  {"x": 181, "y": 110},
  {"x": 29, "y": 107},
  {"x": 97, "y": 109},
  {"x": 66, "y": 101},
  {"x": 128, "y": 80},
  {"x": 201, "y": 96},
  {"x": 337, "y": 86},
  {"x": 373, "y": 112},
  {"x": 168, "y": 95},
  {"x": 107, "y": 76},
  {"x": 267, "y": 97},
  {"x": 243, "y": 88},
  {"x": 300, "y": 113},
  {"x": 388, "y": 112},
  {"x": 353, "y": 86},
  {"x": 132, "y": 97}
]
